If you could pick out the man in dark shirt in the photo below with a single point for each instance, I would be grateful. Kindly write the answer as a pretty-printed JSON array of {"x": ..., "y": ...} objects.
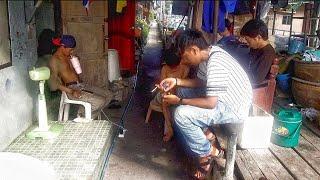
[
  {"x": 228, "y": 39},
  {"x": 261, "y": 52}
]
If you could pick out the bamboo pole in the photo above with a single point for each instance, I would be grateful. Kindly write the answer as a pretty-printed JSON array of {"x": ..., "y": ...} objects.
[{"x": 215, "y": 21}]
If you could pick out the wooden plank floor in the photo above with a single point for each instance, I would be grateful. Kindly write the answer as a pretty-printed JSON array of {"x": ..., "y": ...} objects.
[{"x": 301, "y": 162}]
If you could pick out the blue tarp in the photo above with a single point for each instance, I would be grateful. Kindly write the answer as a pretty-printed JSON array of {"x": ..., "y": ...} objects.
[{"x": 207, "y": 16}]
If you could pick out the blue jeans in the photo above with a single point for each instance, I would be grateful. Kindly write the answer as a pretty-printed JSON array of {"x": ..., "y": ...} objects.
[{"x": 190, "y": 120}]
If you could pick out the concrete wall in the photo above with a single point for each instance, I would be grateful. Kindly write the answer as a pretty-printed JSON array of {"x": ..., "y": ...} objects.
[
  {"x": 44, "y": 17},
  {"x": 16, "y": 89}
]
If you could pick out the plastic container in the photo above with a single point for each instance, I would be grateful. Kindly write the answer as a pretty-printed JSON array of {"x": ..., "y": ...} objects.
[
  {"x": 39, "y": 74},
  {"x": 113, "y": 65},
  {"x": 76, "y": 64},
  {"x": 284, "y": 82},
  {"x": 286, "y": 128},
  {"x": 256, "y": 131},
  {"x": 296, "y": 46}
]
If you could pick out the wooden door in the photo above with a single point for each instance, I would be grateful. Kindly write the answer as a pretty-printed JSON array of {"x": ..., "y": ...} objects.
[
  {"x": 121, "y": 35},
  {"x": 89, "y": 31}
]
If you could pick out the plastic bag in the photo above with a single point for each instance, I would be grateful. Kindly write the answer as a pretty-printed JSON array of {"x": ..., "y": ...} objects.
[
  {"x": 311, "y": 55},
  {"x": 310, "y": 113}
]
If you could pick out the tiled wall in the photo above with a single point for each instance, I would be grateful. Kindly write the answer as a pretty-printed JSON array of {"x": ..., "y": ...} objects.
[{"x": 17, "y": 91}]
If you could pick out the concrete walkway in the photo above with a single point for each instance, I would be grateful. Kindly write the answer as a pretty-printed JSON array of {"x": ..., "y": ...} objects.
[{"x": 142, "y": 154}]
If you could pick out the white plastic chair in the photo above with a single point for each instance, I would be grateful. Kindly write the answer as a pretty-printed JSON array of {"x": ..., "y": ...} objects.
[{"x": 65, "y": 106}]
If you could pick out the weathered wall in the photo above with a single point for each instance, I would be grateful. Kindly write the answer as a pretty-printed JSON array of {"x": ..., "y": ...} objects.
[
  {"x": 16, "y": 89},
  {"x": 89, "y": 33},
  {"x": 44, "y": 17}
]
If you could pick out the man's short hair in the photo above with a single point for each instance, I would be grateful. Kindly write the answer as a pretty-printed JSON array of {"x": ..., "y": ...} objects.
[
  {"x": 255, "y": 27},
  {"x": 171, "y": 58},
  {"x": 227, "y": 24},
  {"x": 191, "y": 37},
  {"x": 45, "y": 45}
]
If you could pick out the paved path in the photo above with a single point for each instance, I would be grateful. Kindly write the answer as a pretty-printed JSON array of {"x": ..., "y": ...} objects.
[{"x": 142, "y": 154}]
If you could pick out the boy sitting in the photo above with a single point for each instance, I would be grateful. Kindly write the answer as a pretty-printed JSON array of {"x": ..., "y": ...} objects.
[{"x": 172, "y": 69}]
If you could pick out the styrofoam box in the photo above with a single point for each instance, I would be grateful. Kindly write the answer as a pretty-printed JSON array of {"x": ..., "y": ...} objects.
[{"x": 256, "y": 130}]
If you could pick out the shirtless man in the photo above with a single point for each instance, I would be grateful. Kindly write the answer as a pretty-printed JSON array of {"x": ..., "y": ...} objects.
[{"x": 64, "y": 78}]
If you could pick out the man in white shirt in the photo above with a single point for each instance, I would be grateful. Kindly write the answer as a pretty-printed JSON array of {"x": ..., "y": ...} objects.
[{"x": 220, "y": 94}]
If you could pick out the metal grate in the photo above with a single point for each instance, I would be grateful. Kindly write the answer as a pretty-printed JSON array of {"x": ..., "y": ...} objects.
[{"x": 74, "y": 154}]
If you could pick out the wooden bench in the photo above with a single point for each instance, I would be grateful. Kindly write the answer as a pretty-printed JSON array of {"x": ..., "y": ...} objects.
[{"x": 227, "y": 135}]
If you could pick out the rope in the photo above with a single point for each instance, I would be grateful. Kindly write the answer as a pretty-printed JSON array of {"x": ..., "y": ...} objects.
[{"x": 306, "y": 82}]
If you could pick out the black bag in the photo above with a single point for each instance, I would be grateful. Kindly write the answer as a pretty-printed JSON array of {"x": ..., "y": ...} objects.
[
  {"x": 242, "y": 7},
  {"x": 279, "y": 3}
]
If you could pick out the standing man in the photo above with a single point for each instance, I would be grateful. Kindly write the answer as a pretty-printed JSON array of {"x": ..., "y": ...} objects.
[{"x": 220, "y": 94}]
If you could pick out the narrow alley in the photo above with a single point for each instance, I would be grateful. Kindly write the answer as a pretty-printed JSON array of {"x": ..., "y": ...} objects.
[
  {"x": 142, "y": 153},
  {"x": 159, "y": 90}
]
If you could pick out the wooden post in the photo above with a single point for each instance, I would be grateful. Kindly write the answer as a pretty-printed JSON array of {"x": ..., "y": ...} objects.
[
  {"x": 231, "y": 154},
  {"x": 215, "y": 21},
  {"x": 290, "y": 33},
  {"x": 57, "y": 17},
  {"x": 274, "y": 19}
]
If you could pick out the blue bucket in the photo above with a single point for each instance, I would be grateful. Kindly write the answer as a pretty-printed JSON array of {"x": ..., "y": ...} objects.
[
  {"x": 284, "y": 82},
  {"x": 296, "y": 46}
]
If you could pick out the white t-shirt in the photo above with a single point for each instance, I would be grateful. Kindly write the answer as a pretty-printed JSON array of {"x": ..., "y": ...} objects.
[{"x": 227, "y": 80}]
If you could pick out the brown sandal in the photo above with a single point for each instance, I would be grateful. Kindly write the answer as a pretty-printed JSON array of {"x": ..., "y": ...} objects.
[{"x": 203, "y": 168}]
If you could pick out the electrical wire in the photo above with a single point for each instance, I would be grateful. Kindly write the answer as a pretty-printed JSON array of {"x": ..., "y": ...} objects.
[{"x": 121, "y": 129}]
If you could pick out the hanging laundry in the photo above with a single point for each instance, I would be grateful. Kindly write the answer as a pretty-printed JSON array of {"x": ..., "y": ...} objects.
[
  {"x": 116, "y": 8},
  {"x": 279, "y": 4},
  {"x": 120, "y": 5},
  {"x": 86, "y": 4},
  {"x": 263, "y": 9},
  {"x": 230, "y": 5},
  {"x": 207, "y": 16},
  {"x": 180, "y": 7},
  {"x": 242, "y": 7}
]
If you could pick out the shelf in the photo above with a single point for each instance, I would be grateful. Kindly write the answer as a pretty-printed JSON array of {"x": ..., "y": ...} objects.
[
  {"x": 302, "y": 35},
  {"x": 304, "y": 18}
]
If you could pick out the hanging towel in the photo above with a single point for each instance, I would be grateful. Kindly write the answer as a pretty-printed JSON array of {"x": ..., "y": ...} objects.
[
  {"x": 230, "y": 5},
  {"x": 120, "y": 5},
  {"x": 207, "y": 16},
  {"x": 242, "y": 7},
  {"x": 86, "y": 4}
]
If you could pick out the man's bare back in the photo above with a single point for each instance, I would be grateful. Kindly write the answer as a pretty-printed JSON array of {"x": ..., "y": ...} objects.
[{"x": 63, "y": 76}]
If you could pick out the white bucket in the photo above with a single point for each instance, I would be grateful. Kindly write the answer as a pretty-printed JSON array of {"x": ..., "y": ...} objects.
[
  {"x": 256, "y": 132},
  {"x": 113, "y": 65}
]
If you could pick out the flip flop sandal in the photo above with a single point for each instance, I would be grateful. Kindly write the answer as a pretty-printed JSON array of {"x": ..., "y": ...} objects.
[
  {"x": 202, "y": 168},
  {"x": 212, "y": 140},
  {"x": 220, "y": 155},
  {"x": 219, "y": 159}
]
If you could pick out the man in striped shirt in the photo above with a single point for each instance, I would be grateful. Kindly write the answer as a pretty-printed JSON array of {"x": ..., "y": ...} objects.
[{"x": 220, "y": 94}]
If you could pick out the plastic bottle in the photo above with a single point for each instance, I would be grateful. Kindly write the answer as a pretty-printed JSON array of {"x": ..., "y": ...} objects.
[{"x": 76, "y": 64}]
